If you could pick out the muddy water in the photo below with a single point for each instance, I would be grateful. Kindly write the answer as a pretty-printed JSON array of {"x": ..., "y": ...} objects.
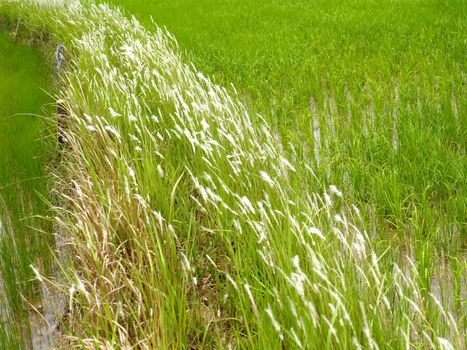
[{"x": 25, "y": 236}]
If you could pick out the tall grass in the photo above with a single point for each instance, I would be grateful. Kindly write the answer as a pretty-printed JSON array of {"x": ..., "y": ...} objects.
[
  {"x": 23, "y": 153},
  {"x": 191, "y": 225}
]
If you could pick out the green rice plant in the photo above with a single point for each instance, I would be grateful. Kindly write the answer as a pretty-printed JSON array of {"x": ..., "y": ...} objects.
[{"x": 23, "y": 153}]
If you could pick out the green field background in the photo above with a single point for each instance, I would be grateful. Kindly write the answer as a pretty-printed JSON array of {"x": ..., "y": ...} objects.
[{"x": 371, "y": 94}]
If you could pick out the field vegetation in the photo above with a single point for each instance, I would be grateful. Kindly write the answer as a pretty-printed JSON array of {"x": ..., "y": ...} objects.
[
  {"x": 23, "y": 155},
  {"x": 334, "y": 218},
  {"x": 369, "y": 93}
]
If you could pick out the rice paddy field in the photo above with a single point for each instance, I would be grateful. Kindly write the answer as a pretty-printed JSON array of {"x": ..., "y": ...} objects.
[
  {"x": 238, "y": 174},
  {"x": 23, "y": 154},
  {"x": 375, "y": 89}
]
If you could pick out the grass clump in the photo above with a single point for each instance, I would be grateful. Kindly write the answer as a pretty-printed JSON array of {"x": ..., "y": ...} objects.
[{"x": 191, "y": 225}]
